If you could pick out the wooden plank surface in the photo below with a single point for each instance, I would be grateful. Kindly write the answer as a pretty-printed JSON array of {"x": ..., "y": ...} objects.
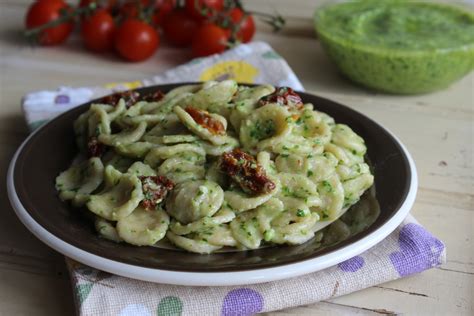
[{"x": 437, "y": 129}]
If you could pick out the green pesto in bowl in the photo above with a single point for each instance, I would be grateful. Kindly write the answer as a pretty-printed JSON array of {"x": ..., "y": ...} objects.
[{"x": 403, "y": 47}]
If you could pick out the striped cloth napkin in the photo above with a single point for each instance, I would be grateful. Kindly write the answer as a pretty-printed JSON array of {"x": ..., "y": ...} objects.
[{"x": 409, "y": 249}]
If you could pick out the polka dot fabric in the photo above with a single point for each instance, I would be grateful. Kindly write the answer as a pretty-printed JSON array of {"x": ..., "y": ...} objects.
[
  {"x": 409, "y": 249},
  {"x": 242, "y": 302}
]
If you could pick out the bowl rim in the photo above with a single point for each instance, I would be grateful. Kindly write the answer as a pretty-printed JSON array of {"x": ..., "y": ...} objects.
[
  {"x": 399, "y": 53},
  {"x": 220, "y": 278}
]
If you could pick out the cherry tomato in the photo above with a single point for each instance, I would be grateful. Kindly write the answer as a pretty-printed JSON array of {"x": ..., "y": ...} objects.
[
  {"x": 247, "y": 25},
  {"x": 136, "y": 40},
  {"x": 179, "y": 28},
  {"x": 97, "y": 31},
  {"x": 131, "y": 8},
  {"x": 163, "y": 9},
  {"x": 209, "y": 39},
  {"x": 108, "y": 5},
  {"x": 200, "y": 9},
  {"x": 128, "y": 10},
  {"x": 42, "y": 12},
  {"x": 62, "y": 1}
]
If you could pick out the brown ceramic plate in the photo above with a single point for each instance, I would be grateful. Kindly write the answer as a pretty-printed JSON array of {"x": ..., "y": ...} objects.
[{"x": 51, "y": 149}]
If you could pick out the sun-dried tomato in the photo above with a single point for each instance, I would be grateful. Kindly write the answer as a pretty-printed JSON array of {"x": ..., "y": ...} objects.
[
  {"x": 244, "y": 169},
  {"x": 283, "y": 96},
  {"x": 155, "y": 189},
  {"x": 130, "y": 98},
  {"x": 204, "y": 119},
  {"x": 154, "y": 97},
  {"x": 95, "y": 148}
]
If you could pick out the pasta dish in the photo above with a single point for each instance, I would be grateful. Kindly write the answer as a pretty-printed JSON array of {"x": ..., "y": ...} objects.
[{"x": 213, "y": 165}]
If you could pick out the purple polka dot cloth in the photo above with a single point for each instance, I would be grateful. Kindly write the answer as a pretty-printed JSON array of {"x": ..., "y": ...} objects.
[{"x": 409, "y": 249}]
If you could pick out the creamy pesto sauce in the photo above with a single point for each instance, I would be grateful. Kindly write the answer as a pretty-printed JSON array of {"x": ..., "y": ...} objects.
[
  {"x": 398, "y": 46},
  {"x": 399, "y": 25}
]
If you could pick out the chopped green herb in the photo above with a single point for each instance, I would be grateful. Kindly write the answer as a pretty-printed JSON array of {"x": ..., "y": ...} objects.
[
  {"x": 148, "y": 195},
  {"x": 318, "y": 141},
  {"x": 285, "y": 190},
  {"x": 268, "y": 234},
  {"x": 262, "y": 130},
  {"x": 327, "y": 186},
  {"x": 300, "y": 213}
]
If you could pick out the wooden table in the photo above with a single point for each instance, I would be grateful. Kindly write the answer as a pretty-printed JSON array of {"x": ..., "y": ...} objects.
[{"x": 437, "y": 129}]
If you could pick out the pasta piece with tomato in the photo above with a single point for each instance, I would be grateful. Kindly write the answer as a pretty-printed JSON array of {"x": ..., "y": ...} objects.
[
  {"x": 245, "y": 101},
  {"x": 121, "y": 195},
  {"x": 208, "y": 126}
]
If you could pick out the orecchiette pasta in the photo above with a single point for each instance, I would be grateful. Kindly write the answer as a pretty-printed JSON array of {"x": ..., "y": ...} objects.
[
  {"x": 180, "y": 170},
  {"x": 203, "y": 224},
  {"x": 140, "y": 169},
  {"x": 213, "y": 97},
  {"x": 123, "y": 138},
  {"x": 245, "y": 101},
  {"x": 192, "y": 200},
  {"x": 79, "y": 181},
  {"x": 203, "y": 131},
  {"x": 246, "y": 230},
  {"x": 121, "y": 195},
  {"x": 264, "y": 127},
  {"x": 106, "y": 229},
  {"x": 240, "y": 202},
  {"x": 142, "y": 227},
  {"x": 215, "y": 165}
]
